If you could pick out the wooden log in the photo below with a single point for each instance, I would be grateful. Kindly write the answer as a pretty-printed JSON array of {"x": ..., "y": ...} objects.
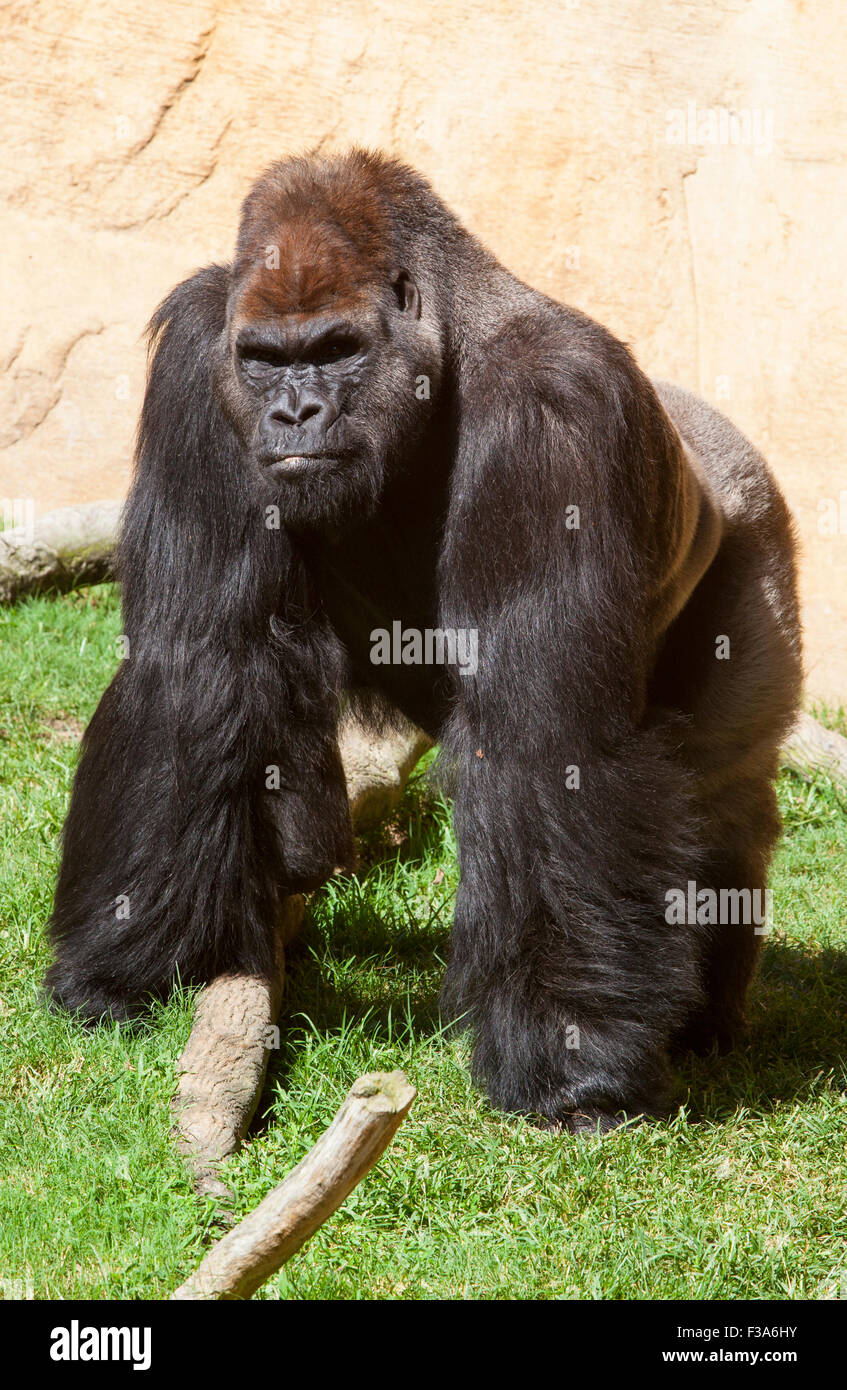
[
  {"x": 64, "y": 548},
  {"x": 812, "y": 749},
  {"x": 377, "y": 769},
  {"x": 222, "y": 1068},
  {"x": 239, "y": 1263}
]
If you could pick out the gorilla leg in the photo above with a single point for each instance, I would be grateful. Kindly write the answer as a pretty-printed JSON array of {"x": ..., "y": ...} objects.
[{"x": 731, "y": 949}]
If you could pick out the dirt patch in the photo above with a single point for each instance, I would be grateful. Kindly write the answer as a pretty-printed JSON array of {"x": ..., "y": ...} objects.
[{"x": 60, "y": 727}]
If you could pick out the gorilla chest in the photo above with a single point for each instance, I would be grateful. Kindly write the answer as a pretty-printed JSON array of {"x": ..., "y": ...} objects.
[{"x": 379, "y": 593}]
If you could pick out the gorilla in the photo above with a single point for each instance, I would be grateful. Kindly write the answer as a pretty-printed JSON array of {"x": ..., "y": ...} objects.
[{"x": 366, "y": 424}]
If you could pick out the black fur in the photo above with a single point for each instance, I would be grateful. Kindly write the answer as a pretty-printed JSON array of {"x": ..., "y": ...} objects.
[{"x": 596, "y": 644}]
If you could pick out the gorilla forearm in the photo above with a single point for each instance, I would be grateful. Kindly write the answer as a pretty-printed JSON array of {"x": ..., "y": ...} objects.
[
  {"x": 175, "y": 856},
  {"x": 561, "y": 956}
]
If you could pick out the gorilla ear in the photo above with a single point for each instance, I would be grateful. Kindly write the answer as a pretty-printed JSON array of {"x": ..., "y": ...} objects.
[{"x": 407, "y": 292}]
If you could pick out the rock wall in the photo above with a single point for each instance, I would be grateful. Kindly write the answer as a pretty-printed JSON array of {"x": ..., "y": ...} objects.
[{"x": 674, "y": 167}]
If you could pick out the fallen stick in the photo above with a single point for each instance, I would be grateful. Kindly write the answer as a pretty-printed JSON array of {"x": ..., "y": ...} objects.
[
  {"x": 252, "y": 1251},
  {"x": 377, "y": 769},
  {"x": 222, "y": 1068},
  {"x": 811, "y": 749}
]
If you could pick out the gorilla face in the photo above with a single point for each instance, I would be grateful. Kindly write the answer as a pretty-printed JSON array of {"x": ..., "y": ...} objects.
[
  {"x": 322, "y": 378},
  {"x": 307, "y": 374}
]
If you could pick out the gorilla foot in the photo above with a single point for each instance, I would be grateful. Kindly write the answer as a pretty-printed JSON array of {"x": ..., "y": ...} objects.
[{"x": 596, "y": 1122}]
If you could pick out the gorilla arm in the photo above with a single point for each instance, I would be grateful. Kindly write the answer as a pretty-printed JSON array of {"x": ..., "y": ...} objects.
[
  {"x": 573, "y": 811},
  {"x": 188, "y": 820}
]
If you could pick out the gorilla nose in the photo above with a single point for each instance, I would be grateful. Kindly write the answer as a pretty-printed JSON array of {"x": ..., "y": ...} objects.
[{"x": 299, "y": 409}]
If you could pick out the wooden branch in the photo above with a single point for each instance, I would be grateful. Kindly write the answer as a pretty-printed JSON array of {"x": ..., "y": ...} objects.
[
  {"x": 811, "y": 749},
  {"x": 73, "y": 545},
  {"x": 222, "y": 1068},
  {"x": 255, "y": 1249},
  {"x": 377, "y": 769}
]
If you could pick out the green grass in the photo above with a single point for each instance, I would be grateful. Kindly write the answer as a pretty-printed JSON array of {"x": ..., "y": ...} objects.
[{"x": 741, "y": 1195}]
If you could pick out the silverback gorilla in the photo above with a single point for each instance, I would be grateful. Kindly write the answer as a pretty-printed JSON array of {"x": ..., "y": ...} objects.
[{"x": 363, "y": 420}]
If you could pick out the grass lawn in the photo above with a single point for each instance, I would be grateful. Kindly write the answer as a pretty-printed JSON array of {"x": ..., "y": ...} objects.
[{"x": 741, "y": 1195}]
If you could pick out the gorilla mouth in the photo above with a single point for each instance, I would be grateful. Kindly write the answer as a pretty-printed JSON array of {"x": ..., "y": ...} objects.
[{"x": 282, "y": 465}]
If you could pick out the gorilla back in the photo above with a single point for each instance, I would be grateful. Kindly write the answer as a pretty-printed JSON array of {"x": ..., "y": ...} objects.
[{"x": 365, "y": 420}]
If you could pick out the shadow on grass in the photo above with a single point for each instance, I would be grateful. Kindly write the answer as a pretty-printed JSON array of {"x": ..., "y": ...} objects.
[
  {"x": 385, "y": 989},
  {"x": 385, "y": 975},
  {"x": 797, "y": 1038}
]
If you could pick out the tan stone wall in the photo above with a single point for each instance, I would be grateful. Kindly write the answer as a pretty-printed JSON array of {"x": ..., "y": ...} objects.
[{"x": 131, "y": 130}]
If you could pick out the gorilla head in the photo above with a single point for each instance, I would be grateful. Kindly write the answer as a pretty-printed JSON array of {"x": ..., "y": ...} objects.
[{"x": 331, "y": 360}]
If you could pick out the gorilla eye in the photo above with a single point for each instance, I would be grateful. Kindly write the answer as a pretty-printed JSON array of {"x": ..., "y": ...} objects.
[
  {"x": 250, "y": 357},
  {"x": 335, "y": 349}
]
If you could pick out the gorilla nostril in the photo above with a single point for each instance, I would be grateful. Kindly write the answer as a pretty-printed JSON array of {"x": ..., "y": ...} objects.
[{"x": 290, "y": 414}]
